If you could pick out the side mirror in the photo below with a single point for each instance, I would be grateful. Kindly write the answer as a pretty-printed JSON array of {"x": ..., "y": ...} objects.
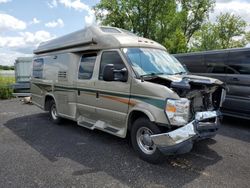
[
  {"x": 110, "y": 74},
  {"x": 121, "y": 75}
]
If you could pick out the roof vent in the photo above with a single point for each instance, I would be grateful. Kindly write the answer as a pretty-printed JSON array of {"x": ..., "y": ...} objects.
[{"x": 109, "y": 30}]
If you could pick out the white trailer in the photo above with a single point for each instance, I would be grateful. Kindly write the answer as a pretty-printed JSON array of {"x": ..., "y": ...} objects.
[{"x": 23, "y": 67}]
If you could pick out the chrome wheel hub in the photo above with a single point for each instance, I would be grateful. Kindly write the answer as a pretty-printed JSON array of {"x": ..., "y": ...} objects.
[
  {"x": 144, "y": 141},
  {"x": 54, "y": 112}
]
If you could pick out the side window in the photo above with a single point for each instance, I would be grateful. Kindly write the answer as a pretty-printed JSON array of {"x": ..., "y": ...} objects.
[
  {"x": 239, "y": 62},
  {"x": 194, "y": 63},
  {"x": 87, "y": 66},
  {"x": 218, "y": 69},
  {"x": 222, "y": 69},
  {"x": 38, "y": 65},
  {"x": 230, "y": 70},
  {"x": 216, "y": 63},
  {"x": 110, "y": 57}
]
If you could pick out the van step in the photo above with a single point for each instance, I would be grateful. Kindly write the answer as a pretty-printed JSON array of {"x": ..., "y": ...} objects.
[
  {"x": 111, "y": 129},
  {"x": 85, "y": 124},
  {"x": 101, "y": 125}
]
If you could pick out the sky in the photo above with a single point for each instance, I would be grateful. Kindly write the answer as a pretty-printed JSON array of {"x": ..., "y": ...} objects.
[{"x": 26, "y": 23}]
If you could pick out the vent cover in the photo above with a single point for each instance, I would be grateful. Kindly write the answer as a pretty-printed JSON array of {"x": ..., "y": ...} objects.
[{"x": 62, "y": 76}]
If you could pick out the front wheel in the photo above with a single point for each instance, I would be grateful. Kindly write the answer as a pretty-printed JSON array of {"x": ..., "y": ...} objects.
[
  {"x": 53, "y": 113},
  {"x": 141, "y": 130}
]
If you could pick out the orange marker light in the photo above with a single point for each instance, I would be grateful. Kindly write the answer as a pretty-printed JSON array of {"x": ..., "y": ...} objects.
[{"x": 170, "y": 108}]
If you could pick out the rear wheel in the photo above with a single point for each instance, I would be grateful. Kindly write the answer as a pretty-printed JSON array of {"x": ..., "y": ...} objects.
[
  {"x": 141, "y": 130},
  {"x": 53, "y": 113}
]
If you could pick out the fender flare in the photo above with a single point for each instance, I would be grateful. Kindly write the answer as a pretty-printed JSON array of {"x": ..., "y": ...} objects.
[
  {"x": 144, "y": 111},
  {"x": 49, "y": 95}
]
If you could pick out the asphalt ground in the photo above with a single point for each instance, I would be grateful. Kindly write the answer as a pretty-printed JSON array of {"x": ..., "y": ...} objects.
[{"x": 36, "y": 153}]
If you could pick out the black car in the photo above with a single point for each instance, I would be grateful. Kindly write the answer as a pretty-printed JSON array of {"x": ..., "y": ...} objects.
[{"x": 232, "y": 66}]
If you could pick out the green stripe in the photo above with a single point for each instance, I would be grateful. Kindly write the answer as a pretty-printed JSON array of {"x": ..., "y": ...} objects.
[
  {"x": 155, "y": 102},
  {"x": 159, "y": 103}
]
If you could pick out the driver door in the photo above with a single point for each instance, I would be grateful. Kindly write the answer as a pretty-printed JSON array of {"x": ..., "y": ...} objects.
[{"x": 112, "y": 97}]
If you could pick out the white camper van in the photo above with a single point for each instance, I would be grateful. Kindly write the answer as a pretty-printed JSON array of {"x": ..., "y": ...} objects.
[
  {"x": 109, "y": 79},
  {"x": 23, "y": 67}
]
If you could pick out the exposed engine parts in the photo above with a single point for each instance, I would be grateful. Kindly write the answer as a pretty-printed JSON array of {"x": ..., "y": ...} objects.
[{"x": 204, "y": 95}]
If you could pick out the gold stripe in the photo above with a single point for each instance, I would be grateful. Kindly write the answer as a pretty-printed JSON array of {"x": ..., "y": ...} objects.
[{"x": 122, "y": 100}]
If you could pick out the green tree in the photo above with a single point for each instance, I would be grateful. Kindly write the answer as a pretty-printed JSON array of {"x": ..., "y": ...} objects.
[
  {"x": 205, "y": 39},
  {"x": 193, "y": 14},
  {"x": 137, "y": 16},
  {"x": 247, "y": 36},
  {"x": 171, "y": 23},
  {"x": 227, "y": 32},
  {"x": 5, "y": 67},
  {"x": 228, "y": 27}
]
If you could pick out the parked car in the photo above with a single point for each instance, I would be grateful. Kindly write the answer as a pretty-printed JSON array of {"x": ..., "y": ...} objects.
[
  {"x": 23, "y": 67},
  {"x": 232, "y": 66},
  {"x": 109, "y": 79}
]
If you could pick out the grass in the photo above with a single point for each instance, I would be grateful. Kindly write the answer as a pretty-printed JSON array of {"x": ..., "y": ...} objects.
[{"x": 5, "y": 90}]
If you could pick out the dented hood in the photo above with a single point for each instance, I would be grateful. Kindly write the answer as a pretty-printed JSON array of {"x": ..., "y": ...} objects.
[{"x": 191, "y": 79}]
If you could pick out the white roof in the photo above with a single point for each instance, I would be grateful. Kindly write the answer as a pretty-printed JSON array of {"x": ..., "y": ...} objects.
[
  {"x": 23, "y": 59},
  {"x": 95, "y": 38}
]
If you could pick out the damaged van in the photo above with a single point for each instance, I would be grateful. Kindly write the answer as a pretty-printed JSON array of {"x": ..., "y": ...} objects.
[{"x": 109, "y": 79}]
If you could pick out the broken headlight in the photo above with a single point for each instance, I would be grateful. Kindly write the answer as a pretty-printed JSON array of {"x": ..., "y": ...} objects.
[{"x": 177, "y": 111}]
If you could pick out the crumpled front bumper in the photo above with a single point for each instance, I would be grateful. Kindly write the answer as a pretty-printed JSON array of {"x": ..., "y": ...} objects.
[{"x": 181, "y": 140}]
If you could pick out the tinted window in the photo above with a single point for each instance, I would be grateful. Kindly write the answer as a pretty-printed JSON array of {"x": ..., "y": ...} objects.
[
  {"x": 194, "y": 63},
  {"x": 215, "y": 63},
  {"x": 239, "y": 62},
  {"x": 38, "y": 68},
  {"x": 111, "y": 57},
  {"x": 86, "y": 66},
  {"x": 219, "y": 69}
]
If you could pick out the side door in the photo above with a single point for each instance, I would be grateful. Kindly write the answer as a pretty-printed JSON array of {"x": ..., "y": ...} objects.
[
  {"x": 112, "y": 96},
  {"x": 85, "y": 85},
  {"x": 238, "y": 81}
]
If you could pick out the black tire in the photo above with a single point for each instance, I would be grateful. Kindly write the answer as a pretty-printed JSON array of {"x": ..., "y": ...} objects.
[
  {"x": 53, "y": 113},
  {"x": 144, "y": 124}
]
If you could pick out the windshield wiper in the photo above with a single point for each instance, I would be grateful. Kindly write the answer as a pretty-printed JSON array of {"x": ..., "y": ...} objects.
[
  {"x": 180, "y": 73},
  {"x": 150, "y": 75}
]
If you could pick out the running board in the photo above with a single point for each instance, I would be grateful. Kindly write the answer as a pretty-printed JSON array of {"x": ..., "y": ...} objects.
[
  {"x": 93, "y": 126},
  {"x": 83, "y": 122},
  {"x": 111, "y": 129}
]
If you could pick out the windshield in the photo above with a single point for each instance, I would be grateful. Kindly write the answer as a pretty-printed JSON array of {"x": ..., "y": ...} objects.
[{"x": 146, "y": 61}]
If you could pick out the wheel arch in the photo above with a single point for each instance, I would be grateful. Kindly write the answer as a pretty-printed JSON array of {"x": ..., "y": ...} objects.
[
  {"x": 47, "y": 99},
  {"x": 136, "y": 114}
]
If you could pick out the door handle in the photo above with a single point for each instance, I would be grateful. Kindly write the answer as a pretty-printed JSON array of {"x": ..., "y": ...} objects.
[
  {"x": 97, "y": 94},
  {"x": 78, "y": 92},
  {"x": 235, "y": 79}
]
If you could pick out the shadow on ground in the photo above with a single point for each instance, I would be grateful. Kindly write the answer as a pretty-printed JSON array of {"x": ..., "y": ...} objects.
[
  {"x": 230, "y": 124},
  {"x": 98, "y": 151}
]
